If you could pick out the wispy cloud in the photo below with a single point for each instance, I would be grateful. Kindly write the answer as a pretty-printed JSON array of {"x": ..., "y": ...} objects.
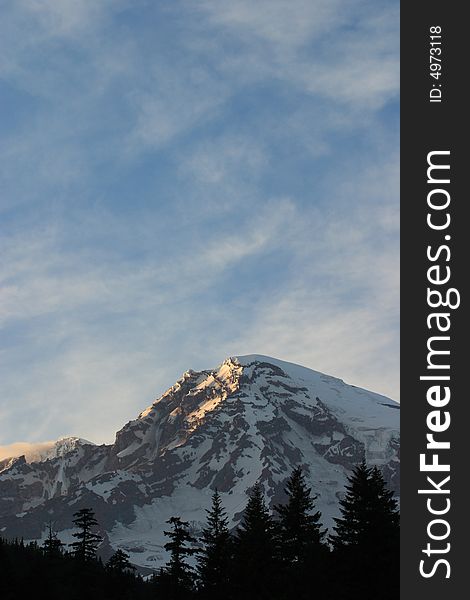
[
  {"x": 189, "y": 181},
  {"x": 30, "y": 451}
]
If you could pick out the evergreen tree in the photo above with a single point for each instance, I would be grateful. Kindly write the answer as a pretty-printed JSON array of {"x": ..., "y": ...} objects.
[
  {"x": 214, "y": 559},
  {"x": 300, "y": 530},
  {"x": 87, "y": 540},
  {"x": 52, "y": 545},
  {"x": 254, "y": 573},
  {"x": 119, "y": 563},
  {"x": 29, "y": 573},
  {"x": 366, "y": 538},
  {"x": 300, "y": 538},
  {"x": 178, "y": 575}
]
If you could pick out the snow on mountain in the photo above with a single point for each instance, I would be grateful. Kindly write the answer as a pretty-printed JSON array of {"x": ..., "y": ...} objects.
[
  {"x": 253, "y": 418},
  {"x": 39, "y": 451}
]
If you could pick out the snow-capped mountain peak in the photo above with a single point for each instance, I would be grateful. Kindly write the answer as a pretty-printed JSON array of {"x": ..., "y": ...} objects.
[
  {"x": 252, "y": 419},
  {"x": 40, "y": 451}
]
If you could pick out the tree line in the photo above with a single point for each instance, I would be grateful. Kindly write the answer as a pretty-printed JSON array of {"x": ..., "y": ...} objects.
[{"x": 283, "y": 554}]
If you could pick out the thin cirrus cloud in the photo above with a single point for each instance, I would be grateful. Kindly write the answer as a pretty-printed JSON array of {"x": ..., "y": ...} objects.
[
  {"x": 30, "y": 451},
  {"x": 186, "y": 182}
]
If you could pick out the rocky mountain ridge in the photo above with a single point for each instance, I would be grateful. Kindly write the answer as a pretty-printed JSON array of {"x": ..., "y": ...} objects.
[{"x": 252, "y": 419}]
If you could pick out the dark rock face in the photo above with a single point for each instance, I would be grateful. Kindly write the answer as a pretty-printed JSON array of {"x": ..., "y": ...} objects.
[{"x": 253, "y": 419}]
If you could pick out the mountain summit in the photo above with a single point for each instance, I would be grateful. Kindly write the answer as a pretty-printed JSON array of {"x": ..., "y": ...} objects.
[{"x": 253, "y": 419}]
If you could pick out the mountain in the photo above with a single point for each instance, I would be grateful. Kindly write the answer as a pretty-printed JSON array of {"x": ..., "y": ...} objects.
[
  {"x": 252, "y": 419},
  {"x": 39, "y": 452}
]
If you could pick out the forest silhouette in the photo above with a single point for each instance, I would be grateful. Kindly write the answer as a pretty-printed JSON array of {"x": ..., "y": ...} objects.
[{"x": 283, "y": 554}]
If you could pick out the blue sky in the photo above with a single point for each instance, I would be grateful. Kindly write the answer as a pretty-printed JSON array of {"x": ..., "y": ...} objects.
[{"x": 185, "y": 181}]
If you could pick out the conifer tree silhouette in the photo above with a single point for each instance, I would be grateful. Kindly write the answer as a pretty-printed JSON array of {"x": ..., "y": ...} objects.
[
  {"x": 178, "y": 574},
  {"x": 302, "y": 550},
  {"x": 366, "y": 537},
  {"x": 52, "y": 546},
  {"x": 214, "y": 558},
  {"x": 87, "y": 540},
  {"x": 119, "y": 562},
  {"x": 254, "y": 559},
  {"x": 300, "y": 530}
]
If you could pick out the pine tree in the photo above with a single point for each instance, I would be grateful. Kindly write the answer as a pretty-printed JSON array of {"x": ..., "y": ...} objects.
[
  {"x": 366, "y": 538},
  {"x": 119, "y": 563},
  {"x": 214, "y": 559},
  {"x": 179, "y": 575},
  {"x": 87, "y": 540},
  {"x": 254, "y": 560},
  {"x": 28, "y": 573},
  {"x": 302, "y": 551},
  {"x": 300, "y": 531},
  {"x": 52, "y": 545}
]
